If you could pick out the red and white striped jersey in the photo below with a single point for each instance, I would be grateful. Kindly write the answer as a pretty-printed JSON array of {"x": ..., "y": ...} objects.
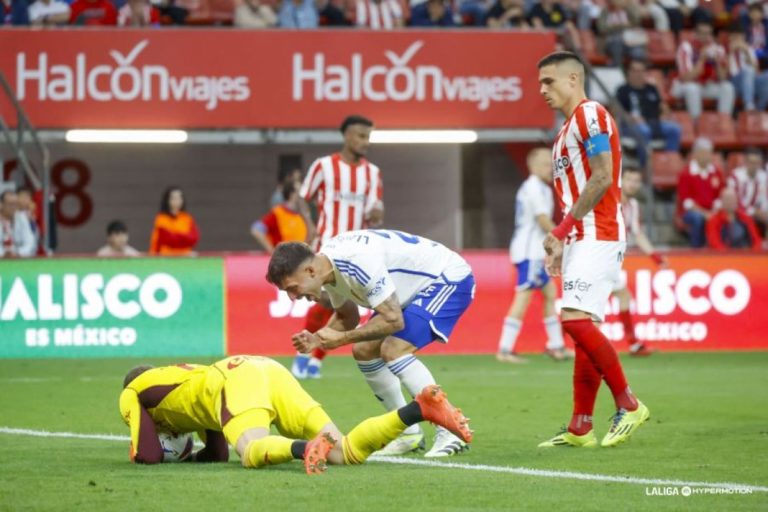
[
  {"x": 344, "y": 194},
  {"x": 385, "y": 14},
  {"x": 739, "y": 60},
  {"x": 752, "y": 191},
  {"x": 571, "y": 171}
]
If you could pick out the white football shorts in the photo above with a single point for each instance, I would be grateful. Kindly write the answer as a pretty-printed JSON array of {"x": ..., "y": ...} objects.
[{"x": 590, "y": 270}]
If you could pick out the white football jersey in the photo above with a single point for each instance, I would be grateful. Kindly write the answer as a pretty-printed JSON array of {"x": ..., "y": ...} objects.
[
  {"x": 534, "y": 198},
  {"x": 371, "y": 264}
]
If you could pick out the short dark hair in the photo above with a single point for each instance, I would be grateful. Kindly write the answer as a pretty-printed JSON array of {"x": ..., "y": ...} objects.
[
  {"x": 637, "y": 61},
  {"x": 286, "y": 258},
  {"x": 706, "y": 22},
  {"x": 755, "y": 6},
  {"x": 753, "y": 150},
  {"x": 354, "y": 119},
  {"x": 284, "y": 172},
  {"x": 135, "y": 372},
  {"x": 25, "y": 190},
  {"x": 558, "y": 57},
  {"x": 116, "y": 226},
  {"x": 288, "y": 190},
  {"x": 165, "y": 206},
  {"x": 631, "y": 168}
]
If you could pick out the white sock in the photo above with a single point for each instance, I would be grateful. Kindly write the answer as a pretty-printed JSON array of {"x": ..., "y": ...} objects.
[
  {"x": 412, "y": 373},
  {"x": 509, "y": 334},
  {"x": 554, "y": 333},
  {"x": 315, "y": 362},
  {"x": 385, "y": 386}
]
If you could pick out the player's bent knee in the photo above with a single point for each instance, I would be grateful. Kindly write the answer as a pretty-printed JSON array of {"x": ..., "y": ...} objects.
[{"x": 366, "y": 351}]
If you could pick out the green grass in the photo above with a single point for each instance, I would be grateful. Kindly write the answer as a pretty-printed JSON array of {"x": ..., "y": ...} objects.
[{"x": 708, "y": 423}]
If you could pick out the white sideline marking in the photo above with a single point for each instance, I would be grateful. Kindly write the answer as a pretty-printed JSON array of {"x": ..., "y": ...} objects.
[{"x": 545, "y": 473}]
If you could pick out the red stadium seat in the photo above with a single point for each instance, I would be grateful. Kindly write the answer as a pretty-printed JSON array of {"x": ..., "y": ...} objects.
[
  {"x": 688, "y": 134},
  {"x": 661, "y": 48},
  {"x": 753, "y": 128},
  {"x": 199, "y": 11},
  {"x": 719, "y": 128},
  {"x": 666, "y": 167},
  {"x": 222, "y": 11},
  {"x": 735, "y": 159},
  {"x": 589, "y": 48}
]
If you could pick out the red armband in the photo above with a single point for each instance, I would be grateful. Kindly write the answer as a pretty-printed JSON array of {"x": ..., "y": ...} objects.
[
  {"x": 657, "y": 258},
  {"x": 565, "y": 227}
]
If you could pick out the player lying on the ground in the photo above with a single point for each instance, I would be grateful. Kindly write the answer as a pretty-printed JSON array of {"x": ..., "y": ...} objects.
[{"x": 237, "y": 399}]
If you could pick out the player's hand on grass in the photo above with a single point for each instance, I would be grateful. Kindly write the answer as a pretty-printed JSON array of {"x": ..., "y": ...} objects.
[
  {"x": 330, "y": 338},
  {"x": 305, "y": 342}
]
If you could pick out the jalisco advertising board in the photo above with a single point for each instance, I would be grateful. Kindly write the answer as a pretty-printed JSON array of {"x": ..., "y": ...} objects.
[
  {"x": 101, "y": 308},
  {"x": 175, "y": 307},
  {"x": 701, "y": 302},
  {"x": 284, "y": 79}
]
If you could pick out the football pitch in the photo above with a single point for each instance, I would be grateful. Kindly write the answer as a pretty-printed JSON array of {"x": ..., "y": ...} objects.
[{"x": 708, "y": 425}]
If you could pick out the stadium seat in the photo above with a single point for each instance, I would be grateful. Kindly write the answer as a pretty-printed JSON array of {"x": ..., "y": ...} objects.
[
  {"x": 199, "y": 11},
  {"x": 589, "y": 48},
  {"x": 611, "y": 78},
  {"x": 661, "y": 48},
  {"x": 666, "y": 166},
  {"x": 719, "y": 128},
  {"x": 735, "y": 159},
  {"x": 221, "y": 11},
  {"x": 688, "y": 134},
  {"x": 752, "y": 128}
]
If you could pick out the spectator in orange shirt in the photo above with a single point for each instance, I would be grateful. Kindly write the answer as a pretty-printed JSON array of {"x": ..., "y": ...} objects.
[
  {"x": 175, "y": 232},
  {"x": 283, "y": 223},
  {"x": 730, "y": 227}
]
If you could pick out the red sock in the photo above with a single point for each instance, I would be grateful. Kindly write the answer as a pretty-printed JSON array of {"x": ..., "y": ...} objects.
[
  {"x": 629, "y": 327},
  {"x": 319, "y": 353},
  {"x": 586, "y": 383},
  {"x": 604, "y": 357}
]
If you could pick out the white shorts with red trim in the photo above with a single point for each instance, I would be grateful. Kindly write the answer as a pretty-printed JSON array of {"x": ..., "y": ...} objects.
[{"x": 590, "y": 270}]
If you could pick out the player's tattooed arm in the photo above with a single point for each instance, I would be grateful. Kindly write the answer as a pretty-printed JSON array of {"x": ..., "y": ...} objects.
[{"x": 597, "y": 185}]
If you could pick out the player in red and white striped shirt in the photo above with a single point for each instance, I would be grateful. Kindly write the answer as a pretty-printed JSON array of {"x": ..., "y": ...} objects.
[
  {"x": 631, "y": 183},
  {"x": 379, "y": 14},
  {"x": 587, "y": 247},
  {"x": 347, "y": 190}
]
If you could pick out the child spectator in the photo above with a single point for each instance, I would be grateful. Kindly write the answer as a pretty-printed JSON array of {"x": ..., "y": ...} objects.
[{"x": 117, "y": 242}]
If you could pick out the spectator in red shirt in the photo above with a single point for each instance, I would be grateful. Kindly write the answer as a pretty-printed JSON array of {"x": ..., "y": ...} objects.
[
  {"x": 730, "y": 227},
  {"x": 698, "y": 189},
  {"x": 703, "y": 73},
  {"x": 92, "y": 13}
]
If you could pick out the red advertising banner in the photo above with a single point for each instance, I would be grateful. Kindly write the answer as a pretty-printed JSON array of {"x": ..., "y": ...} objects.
[
  {"x": 283, "y": 79},
  {"x": 700, "y": 302}
]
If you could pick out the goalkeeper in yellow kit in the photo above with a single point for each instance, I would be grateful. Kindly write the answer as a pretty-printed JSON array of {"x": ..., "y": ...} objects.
[{"x": 236, "y": 400}]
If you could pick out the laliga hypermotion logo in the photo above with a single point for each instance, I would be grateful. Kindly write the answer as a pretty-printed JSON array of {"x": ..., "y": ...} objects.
[
  {"x": 124, "y": 80},
  {"x": 397, "y": 81}
]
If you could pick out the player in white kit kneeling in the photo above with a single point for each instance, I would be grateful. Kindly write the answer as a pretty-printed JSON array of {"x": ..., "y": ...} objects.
[
  {"x": 418, "y": 290},
  {"x": 534, "y": 207}
]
